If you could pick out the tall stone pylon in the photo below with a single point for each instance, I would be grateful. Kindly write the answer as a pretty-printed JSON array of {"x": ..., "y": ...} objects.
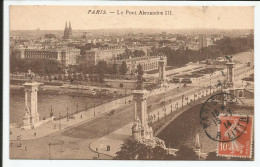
[
  {"x": 230, "y": 75},
  {"x": 161, "y": 67},
  {"x": 31, "y": 117},
  {"x": 140, "y": 129}
]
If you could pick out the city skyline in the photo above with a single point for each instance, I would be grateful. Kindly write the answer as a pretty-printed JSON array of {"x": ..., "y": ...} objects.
[{"x": 54, "y": 18}]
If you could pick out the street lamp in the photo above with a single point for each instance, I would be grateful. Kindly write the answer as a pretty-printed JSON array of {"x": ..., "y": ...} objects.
[
  {"x": 125, "y": 96},
  {"x": 108, "y": 124},
  {"x": 182, "y": 100},
  {"x": 210, "y": 83},
  {"x": 67, "y": 113},
  {"x": 49, "y": 150},
  {"x": 165, "y": 112},
  {"x": 59, "y": 120},
  {"x": 94, "y": 109}
]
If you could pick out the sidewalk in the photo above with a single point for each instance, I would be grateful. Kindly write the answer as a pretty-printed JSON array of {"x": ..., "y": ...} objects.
[
  {"x": 114, "y": 140},
  {"x": 53, "y": 126}
]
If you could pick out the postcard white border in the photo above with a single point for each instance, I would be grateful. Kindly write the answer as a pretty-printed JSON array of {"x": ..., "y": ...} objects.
[{"x": 108, "y": 163}]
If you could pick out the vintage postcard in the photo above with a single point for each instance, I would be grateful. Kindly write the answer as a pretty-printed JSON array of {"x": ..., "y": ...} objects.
[{"x": 131, "y": 82}]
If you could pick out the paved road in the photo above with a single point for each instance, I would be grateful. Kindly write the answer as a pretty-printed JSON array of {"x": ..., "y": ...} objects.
[{"x": 68, "y": 143}]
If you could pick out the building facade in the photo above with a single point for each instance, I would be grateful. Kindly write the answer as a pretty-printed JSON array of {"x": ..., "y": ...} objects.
[
  {"x": 147, "y": 62},
  {"x": 108, "y": 54},
  {"x": 67, "y": 56}
]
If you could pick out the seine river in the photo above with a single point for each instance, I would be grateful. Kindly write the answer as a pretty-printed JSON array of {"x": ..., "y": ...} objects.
[{"x": 46, "y": 101}]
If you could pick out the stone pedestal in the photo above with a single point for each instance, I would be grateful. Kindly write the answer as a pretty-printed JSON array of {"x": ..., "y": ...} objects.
[
  {"x": 31, "y": 116},
  {"x": 140, "y": 129}
]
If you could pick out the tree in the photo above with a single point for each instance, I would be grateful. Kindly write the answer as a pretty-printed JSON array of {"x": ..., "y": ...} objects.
[
  {"x": 133, "y": 149},
  {"x": 101, "y": 68},
  {"x": 38, "y": 66},
  {"x": 140, "y": 69},
  {"x": 123, "y": 68},
  {"x": 138, "y": 53},
  {"x": 13, "y": 62},
  {"x": 114, "y": 69},
  {"x": 222, "y": 47},
  {"x": 160, "y": 153},
  {"x": 129, "y": 150},
  {"x": 186, "y": 153}
]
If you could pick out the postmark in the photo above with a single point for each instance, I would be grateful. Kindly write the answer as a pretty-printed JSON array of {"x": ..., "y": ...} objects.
[
  {"x": 242, "y": 146},
  {"x": 222, "y": 106}
]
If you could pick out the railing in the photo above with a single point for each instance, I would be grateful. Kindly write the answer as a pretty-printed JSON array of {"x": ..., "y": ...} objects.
[{"x": 160, "y": 124}]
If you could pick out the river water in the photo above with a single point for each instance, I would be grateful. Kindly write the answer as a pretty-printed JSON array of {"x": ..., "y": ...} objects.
[{"x": 46, "y": 101}]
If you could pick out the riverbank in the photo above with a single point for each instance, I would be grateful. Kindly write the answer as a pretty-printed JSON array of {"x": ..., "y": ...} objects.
[{"x": 77, "y": 89}]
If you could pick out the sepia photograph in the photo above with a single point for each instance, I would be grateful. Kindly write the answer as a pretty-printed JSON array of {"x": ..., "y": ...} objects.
[{"x": 131, "y": 83}]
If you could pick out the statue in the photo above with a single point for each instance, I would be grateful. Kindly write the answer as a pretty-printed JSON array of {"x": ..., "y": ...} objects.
[
  {"x": 229, "y": 58},
  {"x": 31, "y": 76}
]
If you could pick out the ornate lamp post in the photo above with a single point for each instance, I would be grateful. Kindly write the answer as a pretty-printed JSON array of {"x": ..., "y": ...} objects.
[
  {"x": 49, "y": 150},
  {"x": 59, "y": 121},
  {"x": 94, "y": 109},
  {"x": 125, "y": 96}
]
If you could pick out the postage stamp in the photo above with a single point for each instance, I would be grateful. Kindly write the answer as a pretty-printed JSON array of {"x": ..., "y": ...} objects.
[
  {"x": 234, "y": 125},
  {"x": 211, "y": 111}
]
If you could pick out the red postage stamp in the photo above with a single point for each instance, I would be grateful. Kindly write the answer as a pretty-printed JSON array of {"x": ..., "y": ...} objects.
[{"x": 238, "y": 129}]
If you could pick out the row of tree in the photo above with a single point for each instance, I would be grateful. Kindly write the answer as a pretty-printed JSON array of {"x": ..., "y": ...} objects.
[
  {"x": 47, "y": 67},
  {"x": 135, "y": 150},
  {"x": 102, "y": 68},
  {"x": 225, "y": 46},
  {"x": 40, "y": 67},
  {"x": 128, "y": 53}
]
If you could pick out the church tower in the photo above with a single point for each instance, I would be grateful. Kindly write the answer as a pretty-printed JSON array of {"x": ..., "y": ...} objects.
[{"x": 67, "y": 32}]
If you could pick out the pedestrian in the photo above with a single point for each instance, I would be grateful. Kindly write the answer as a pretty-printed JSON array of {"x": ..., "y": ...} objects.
[
  {"x": 34, "y": 133},
  {"x": 25, "y": 148}
]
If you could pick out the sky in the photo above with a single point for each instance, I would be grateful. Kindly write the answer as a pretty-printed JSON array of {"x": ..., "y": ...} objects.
[{"x": 54, "y": 17}]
